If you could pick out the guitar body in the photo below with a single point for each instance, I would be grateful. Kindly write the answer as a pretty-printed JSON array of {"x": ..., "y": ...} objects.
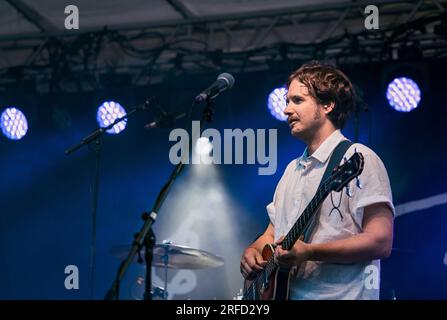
[{"x": 277, "y": 286}]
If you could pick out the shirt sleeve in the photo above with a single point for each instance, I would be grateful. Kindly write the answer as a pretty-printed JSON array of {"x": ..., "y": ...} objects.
[
  {"x": 375, "y": 187},
  {"x": 271, "y": 210}
]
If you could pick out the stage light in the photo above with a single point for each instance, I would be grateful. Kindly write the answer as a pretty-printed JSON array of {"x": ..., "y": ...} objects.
[
  {"x": 107, "y": 113},
  {"x": 403, "y": 94},
  {"x": 276, "y": 103},
  {"x": 203, "y": 146},
  {"x": 14, "y": 124}
]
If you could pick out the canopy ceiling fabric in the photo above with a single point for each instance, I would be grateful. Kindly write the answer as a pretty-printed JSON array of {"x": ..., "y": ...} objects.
[{"x": 159, "y": 36}]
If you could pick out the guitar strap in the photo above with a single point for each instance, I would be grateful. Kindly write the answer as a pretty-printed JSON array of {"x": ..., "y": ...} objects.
[{"x": 336, "y": 157}]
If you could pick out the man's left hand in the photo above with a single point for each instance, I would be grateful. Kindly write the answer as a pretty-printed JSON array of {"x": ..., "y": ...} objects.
[{"x": 299, "y": 253}]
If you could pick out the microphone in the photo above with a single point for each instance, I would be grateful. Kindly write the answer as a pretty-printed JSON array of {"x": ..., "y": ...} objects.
[{"x": 224, "y": 82}]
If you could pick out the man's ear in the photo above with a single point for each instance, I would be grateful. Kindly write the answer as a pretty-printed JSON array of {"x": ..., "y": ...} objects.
[{"x": 327, "y": 108}]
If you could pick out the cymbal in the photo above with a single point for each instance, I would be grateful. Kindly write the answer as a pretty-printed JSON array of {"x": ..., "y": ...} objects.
[{"x": 174, "y": 257}]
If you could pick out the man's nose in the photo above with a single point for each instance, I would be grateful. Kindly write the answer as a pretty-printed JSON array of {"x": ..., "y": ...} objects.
[{"x": 288, "y": 111}]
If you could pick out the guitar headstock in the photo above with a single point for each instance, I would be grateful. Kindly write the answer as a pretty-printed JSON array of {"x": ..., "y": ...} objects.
[{"x": 349, "y": 170}]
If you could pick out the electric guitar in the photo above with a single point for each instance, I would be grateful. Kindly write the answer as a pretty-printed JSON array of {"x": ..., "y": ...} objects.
[{"x": 272, "y": 283}]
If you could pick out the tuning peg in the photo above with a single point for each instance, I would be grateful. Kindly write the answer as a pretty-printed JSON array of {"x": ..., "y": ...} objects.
[
  {"x": 348, "y": 192},
  {"x": 345, "y": 159},
  {"x": 358, "y": 183}
]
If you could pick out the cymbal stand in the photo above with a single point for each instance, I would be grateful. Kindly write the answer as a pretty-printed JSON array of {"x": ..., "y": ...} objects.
[{"x": 165, "y": 267}]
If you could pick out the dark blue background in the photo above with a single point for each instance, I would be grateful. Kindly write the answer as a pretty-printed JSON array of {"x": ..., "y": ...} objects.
[{"x": 45, "y": 203}]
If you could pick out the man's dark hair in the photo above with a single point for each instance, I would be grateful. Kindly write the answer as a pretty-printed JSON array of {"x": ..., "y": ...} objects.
[{"x": 328, "y": 84}]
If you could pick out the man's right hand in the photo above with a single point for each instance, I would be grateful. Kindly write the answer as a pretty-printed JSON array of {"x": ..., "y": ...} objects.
[{"x": 251, "y": 263}]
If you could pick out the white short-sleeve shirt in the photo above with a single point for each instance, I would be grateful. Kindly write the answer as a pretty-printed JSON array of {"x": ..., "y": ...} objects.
[{"x": 321, "y": 280}]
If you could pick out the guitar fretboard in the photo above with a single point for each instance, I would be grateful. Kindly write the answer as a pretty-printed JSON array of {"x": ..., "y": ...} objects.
[{"x": 300, "y": 226}]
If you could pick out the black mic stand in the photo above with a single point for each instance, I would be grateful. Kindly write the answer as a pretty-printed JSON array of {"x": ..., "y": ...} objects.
[
  {"x": 145, "y": 237},
  {"x": 95, "y": 137}
]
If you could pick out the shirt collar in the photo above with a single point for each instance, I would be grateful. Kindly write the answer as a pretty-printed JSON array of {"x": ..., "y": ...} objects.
[{"x": 325, "y": 149}]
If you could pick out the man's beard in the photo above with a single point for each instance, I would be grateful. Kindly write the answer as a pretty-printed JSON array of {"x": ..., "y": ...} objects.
[
  {"x": 317, "y": 114},
  {"x": 308, "y": 133}
]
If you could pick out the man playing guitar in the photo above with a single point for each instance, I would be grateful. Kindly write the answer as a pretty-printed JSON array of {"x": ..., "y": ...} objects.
[{"x": 353, "y": 230}]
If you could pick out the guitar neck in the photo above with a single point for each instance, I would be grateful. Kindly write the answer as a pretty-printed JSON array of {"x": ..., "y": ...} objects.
[{"x": 304, "y": 220}]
